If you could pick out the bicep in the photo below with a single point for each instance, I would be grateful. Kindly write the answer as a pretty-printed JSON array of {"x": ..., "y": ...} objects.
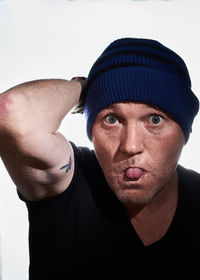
[{"x": 40, "y": 165}]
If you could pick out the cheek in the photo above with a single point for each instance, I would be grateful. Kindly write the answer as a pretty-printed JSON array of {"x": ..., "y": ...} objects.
[
  {"x": 105, "y": 149},
  {"x": 104, "y": 140},
  {"x": 166, "y": 151}
]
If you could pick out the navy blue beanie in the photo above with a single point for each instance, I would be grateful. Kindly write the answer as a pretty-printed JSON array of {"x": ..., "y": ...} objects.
[{"x": 141, "y": 70}]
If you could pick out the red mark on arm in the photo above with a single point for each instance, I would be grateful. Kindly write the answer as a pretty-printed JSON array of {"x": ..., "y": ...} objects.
[{"x": 5, "y": 103}]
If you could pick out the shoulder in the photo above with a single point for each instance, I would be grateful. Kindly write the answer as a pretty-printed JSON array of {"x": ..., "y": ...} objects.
[
  {"x": 87, "y": 166},
  {"x": 189, "y": 189},
  {"x": 85, "y": 158},
  {"x": 188, "y": 176},
  {"x": 82, "y": 152}
]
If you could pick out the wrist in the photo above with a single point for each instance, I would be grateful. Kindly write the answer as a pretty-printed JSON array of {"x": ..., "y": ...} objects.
[
  {"x": 80, "y": 105},
  {"x": 81, "y": 81}
]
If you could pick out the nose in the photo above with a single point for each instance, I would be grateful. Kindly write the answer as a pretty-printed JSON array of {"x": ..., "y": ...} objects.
[{"x": 132, "y": 140}]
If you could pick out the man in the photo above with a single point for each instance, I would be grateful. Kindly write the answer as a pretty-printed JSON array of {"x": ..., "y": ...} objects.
[{"x": 127, "y": 208}]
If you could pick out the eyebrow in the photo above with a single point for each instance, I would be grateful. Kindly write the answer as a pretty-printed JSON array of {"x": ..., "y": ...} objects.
[
  {"x": 160, "y": 110},
  {"x": 114, "y": 105},
  {"x": 150, "y": 106}
]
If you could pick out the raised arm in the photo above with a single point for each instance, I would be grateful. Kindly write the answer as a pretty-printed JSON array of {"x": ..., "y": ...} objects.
[{"x": 39, "y": 159}]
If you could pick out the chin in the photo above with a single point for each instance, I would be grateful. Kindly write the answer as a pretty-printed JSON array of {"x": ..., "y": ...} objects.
[
  {"x": 136, "y": 193},
  {"x": 134, "y": 198},
  {"x": 132, "y": 193}
]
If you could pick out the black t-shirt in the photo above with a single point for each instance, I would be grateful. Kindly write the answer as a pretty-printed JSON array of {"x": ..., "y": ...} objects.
[{"x": 85, "y": 232}]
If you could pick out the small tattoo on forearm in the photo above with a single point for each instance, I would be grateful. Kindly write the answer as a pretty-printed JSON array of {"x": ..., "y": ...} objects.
[{"x": 68, "y": 166}]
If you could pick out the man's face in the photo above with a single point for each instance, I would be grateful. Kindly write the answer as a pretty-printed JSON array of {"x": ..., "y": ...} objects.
[{"x": 138, "y": 148}]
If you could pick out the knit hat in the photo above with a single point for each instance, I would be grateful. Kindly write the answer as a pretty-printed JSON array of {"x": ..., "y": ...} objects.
[{"x": 141, "y": 70}]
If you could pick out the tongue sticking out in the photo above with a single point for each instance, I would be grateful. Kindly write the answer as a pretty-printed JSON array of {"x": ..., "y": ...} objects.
[{"x": 133, "y": 173}]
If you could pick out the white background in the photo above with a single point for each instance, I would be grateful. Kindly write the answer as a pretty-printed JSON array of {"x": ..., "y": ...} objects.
[{"x": 62, "y": 39}]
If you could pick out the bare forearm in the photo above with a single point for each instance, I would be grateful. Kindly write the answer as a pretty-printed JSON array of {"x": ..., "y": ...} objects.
[{"x": 38, "y": 104}]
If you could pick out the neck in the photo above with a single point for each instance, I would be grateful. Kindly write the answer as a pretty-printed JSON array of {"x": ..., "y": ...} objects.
[{"x": 152, "y": 221}]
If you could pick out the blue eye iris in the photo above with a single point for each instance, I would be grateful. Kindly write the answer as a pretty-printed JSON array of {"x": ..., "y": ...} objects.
[
  {"x": 111, "y": 119},
  {"x": 155, "y": 119}
]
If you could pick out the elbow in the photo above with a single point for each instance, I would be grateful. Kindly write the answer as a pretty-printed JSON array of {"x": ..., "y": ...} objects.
[
  {"x": 6, "y": 104},
  {"x": 9, "y": 114}
]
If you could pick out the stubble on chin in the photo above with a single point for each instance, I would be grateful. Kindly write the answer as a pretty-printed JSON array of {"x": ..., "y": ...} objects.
[{"x": 136, "y": 193}]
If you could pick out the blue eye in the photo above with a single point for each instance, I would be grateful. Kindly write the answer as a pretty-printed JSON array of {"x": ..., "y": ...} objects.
[
  {"x": 111, "y": 119},
  {"x": 156, "y": 119}
]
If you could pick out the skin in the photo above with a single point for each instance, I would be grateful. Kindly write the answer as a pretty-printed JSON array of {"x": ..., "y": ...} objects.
[
  {"x": 137, "y": 135},
  {"x": 39, "y": 159}
]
